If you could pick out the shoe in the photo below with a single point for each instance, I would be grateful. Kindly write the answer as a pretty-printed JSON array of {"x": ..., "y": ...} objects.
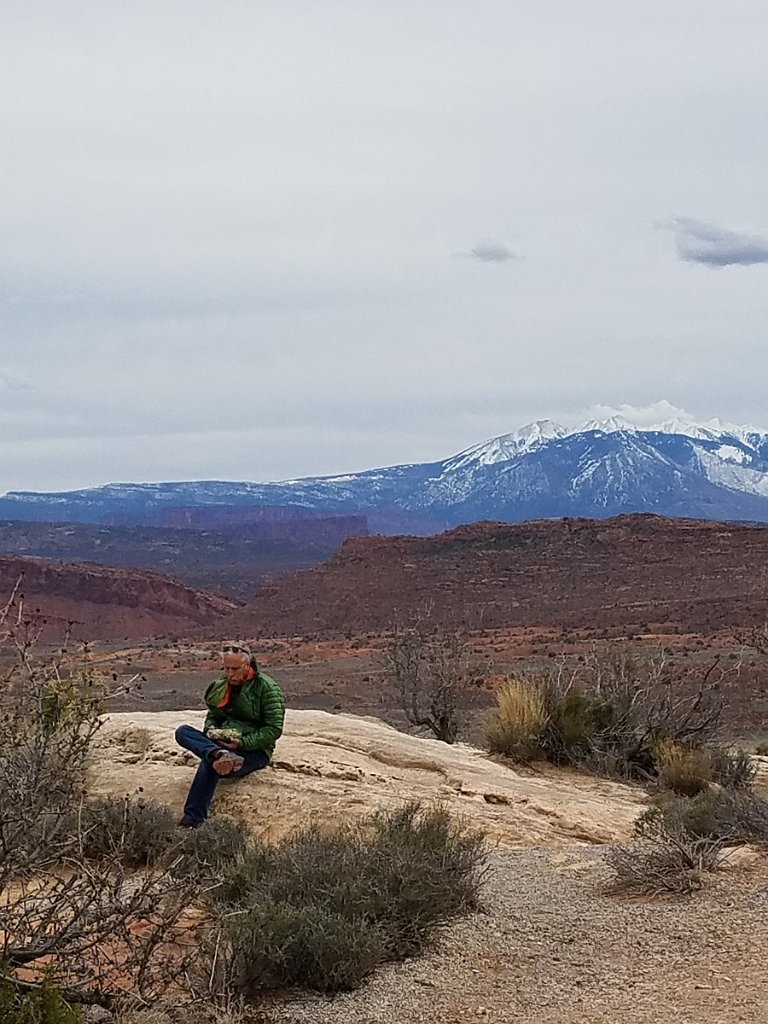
[
  {"x": 184, "y": 823},
  {"x": 225, "y": 762}
]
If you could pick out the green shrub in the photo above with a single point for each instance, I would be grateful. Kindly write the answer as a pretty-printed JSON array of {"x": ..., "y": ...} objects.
[
  {"x": 44, "y": 1005},
  {"x": 576, "y": 721},
  {"x": 680, "y": 838},
  {"x": 727, "y": 817},
  {"x": 281, "y": 945},
  {"x": 323, "y": 910},
  {"x": 212, "y": 851}
]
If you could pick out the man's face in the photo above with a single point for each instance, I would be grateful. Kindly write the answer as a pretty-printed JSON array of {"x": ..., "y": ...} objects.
[{"x": 234, "y": 660}]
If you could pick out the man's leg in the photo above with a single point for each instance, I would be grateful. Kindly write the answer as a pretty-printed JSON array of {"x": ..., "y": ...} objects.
[
  {"x": 206, "y": 777},
  {"x": 200, "y": 794},
  {"x": 204, "y": 783},
  {"x": 195, "y": 741}
]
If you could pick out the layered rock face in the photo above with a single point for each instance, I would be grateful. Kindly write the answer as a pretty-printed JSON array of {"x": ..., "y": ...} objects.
[
  {"x": 633, "y": 572},
  {"x": 100, "y": 603}
]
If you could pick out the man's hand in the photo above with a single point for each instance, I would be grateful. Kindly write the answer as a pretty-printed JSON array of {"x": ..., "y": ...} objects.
[{"x": 229, "y": 744}]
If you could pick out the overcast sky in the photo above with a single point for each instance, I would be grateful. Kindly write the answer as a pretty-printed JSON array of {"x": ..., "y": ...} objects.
[{"x": 276, "y": 238}]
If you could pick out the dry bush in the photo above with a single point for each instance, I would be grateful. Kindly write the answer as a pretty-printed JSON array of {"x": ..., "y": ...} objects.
[
  {"x": 322, "y": 910},
  {"x": 652, "y": 869},
  {"x": 518, "y": 724},
  {"x": 611, "y": 714},
  {"x": 681, "y": 768},
  {"x": 680, "y": 839},
  {"x": 432, "y": 670},
  {"x": 89, "y": 925}
]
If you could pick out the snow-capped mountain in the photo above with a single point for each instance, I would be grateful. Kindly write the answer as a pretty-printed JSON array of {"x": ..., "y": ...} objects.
[{"x": 676, "y": 467}]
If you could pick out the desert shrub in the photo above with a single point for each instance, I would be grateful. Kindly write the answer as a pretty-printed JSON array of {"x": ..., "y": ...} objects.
[
  {"x": 280, "y": 945},
  {"x": 673, "y": 817},
  {"x": 135, "y": 832},
  {"x": 613, "y": 714},
  {"x": 726, "y": 817},
  {"x": 212, "y": 851},
  {"x": 577, "y": 721},
  {"x": 78, "y": 921},
  {"x": 322, "y": 910},
  {"x": 684, "y": 769},
  {"x": 517, "y": 727},
  {"x": 431, "y": 671},
  {"x": 651, "y": 869},
  {"x": 733, "y": 769},
  {"x": 679, "y": 841},
  {"x": 43, "y": 1005},
  {"x": 681, "y": 838}
]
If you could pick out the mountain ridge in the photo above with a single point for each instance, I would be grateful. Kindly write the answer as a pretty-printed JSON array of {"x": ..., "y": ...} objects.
[{"x": 675, "y": 467}]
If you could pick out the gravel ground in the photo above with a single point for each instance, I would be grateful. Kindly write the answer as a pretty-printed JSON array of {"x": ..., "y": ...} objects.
[{"x": 551, "y": 947}]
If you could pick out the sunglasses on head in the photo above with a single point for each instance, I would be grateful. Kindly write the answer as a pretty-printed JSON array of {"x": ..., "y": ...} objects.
[{"x": 233, "y": 650}]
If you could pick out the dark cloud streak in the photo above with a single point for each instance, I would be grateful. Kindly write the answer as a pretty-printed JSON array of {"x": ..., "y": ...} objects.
[
  {"x": 489, "y": 251},
  {"x": 712, "y": 246}
]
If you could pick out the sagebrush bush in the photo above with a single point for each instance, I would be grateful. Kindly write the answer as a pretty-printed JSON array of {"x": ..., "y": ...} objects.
[
  {"x": 322, "y": 910},
  {"x": 282, "y": 945},
  {"x": 733, "y": 769},
  {"x": 212, "y": 851},
  {"x": 727, "y": 817},
  {"x": 135, "y": 832}
]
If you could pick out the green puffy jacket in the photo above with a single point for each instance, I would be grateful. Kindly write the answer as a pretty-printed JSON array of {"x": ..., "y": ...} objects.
[{"x": 256, "y": 711}]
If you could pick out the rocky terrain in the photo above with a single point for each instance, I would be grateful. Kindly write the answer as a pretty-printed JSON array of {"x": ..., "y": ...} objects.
[
  {"x": 99, "y": 603},
  {"x": 211, "y": 547},
  {"x": 551, "y": 943},
  {"x": 635, "y": 574}
]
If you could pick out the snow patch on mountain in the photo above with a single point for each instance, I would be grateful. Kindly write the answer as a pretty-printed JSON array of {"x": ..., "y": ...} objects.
[{"x": 728, "y": 470}]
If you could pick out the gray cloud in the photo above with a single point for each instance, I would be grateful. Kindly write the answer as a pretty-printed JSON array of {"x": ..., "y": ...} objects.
[
  {"x": 489, "y": 251},
  {"x": 698, "y": 242}
]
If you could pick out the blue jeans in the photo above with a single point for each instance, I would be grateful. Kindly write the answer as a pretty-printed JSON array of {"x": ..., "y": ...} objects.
[{"x": 204, "y": 783}]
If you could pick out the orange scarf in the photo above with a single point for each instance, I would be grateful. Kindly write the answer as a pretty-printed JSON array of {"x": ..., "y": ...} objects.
[{"x": 227, "y": 696}]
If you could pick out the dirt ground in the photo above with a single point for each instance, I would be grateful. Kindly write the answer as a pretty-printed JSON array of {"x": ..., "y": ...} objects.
[{"x": 552, "y": 947}]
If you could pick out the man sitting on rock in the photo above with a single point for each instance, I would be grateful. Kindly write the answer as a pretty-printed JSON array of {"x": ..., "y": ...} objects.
[{"x": 245, "y": 716}]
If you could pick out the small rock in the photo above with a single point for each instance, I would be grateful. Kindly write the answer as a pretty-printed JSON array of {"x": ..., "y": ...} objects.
[
  {"x": 96, "y": 1015},
  {"x": 737, "y": 858}
]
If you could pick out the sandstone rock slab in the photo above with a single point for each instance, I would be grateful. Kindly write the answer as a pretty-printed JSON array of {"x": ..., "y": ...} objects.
[{"x": 330, "y": 769}]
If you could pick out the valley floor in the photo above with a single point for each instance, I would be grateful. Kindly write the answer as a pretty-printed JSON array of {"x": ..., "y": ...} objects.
[{"x": 552, "y": 948}]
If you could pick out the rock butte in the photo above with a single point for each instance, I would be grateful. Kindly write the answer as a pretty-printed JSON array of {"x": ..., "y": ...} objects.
[{"x": 331, "y": 769}]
